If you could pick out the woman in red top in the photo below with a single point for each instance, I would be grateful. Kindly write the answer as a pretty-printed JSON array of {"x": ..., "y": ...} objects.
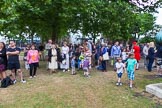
[{"x": 136, "y": 50}]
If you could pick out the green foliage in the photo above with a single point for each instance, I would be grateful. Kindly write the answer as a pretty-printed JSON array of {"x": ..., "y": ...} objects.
[
  {"x": 145, "y": 22},
  {"x": 55, "y": 18},
  {"x": 147, "y": 40}
]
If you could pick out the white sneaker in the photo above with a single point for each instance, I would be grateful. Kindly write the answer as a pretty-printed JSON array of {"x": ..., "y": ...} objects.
[
  {"x": 30, "y": 77},
  {"x": 90, "y": 67},
  {"x": 14, "y": 81},
  {"x": 23, "y": 81},
  {"x": 34, "y": 76},
  {"x": 89, "y": 76},
  {"x": 121, "y": 84},
  {"x": 63, "y": 70},
  {"x": 117, "y": 84}
]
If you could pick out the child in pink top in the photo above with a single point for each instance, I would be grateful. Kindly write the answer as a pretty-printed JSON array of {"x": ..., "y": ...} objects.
[{"x": 33, "y": 60}]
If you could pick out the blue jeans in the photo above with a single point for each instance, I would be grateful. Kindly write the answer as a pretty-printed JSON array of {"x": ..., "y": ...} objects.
[
  {"x": 145, "y": 60},
  {"x": 151, "y": 61}
]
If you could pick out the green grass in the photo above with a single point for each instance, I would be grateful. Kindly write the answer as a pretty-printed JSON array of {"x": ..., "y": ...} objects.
[{"x": 62, "y": 90}]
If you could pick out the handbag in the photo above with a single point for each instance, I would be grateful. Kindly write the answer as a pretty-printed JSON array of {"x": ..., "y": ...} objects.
[
  {"x": 106, "y": 56},
  {"x": 112, "y": 62},
  {"x": 64, "y": 62}
]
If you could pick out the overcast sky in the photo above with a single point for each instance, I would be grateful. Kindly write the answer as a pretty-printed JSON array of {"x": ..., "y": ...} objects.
[{"x": 159, "y": 17}]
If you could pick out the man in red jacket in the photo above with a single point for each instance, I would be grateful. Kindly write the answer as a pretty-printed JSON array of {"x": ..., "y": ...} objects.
[{"x": 136, "y": 50}]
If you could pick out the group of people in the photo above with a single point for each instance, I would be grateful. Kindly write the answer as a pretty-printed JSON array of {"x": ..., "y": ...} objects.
[
  {"x": 82, "y": 56},
  {"x": 9, "y": 59}
]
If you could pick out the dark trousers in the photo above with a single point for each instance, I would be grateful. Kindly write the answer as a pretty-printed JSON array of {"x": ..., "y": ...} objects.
[
  {"x": 151, "y": 61},
  {"x": 103, "y": 63},
  {"x": 33, "y": 68}
]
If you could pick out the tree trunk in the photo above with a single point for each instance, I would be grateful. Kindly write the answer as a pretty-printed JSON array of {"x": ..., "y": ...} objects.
[
  {"x": 127, "y": 42},
  {"x": 54, "y": 36},
  {"x": 31, "y": 36},
  {"x": 94, "y": 38}
]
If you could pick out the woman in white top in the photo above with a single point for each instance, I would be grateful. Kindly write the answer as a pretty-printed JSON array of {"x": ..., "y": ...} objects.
[
  {"x": 65, "y": 51},
  {"x": 52, "y": 54}
]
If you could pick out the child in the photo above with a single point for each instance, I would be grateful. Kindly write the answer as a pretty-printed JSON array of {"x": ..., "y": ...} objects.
[
  {"x": 81, "y": 59},
  {"x": 119, "y": 70},
  {"x": 131, "y": 67},
  {"x": 73, "y": 65},
  {"x": 124, "y": 55},
  {"x": 86, "y": 67},
  {"x": 25, "y": 57}
]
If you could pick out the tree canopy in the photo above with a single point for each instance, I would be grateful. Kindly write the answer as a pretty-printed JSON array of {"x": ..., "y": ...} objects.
[{"x": 114, "y": 19}]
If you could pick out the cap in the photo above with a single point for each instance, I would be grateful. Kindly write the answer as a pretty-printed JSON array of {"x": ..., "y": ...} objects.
[{"x": 134, "y": 43}]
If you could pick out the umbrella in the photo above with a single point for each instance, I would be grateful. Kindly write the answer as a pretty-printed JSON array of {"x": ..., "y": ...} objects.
[{"x": 158, "y": 37}]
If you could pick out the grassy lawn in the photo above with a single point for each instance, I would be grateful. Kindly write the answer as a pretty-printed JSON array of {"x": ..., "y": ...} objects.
[{"x": 62, "y": 90}]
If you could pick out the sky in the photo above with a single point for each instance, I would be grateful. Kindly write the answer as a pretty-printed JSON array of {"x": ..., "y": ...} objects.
[
  {"x": 148, "y": 2},
  {"x": 159, "y": 16}
]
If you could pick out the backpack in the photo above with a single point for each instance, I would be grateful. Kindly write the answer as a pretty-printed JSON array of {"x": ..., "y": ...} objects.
[{"x": 6, "y": 82}]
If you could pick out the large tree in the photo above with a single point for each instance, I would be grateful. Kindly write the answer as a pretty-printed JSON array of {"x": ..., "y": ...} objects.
[{"x": 115, "y": 19}]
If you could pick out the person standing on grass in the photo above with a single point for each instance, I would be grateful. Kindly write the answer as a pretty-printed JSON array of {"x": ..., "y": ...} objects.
[
  {"x": 131, "y": 67},
  {"x": 158, "y": 56},
  {"x": 13, "y": 61},
  {"x": 88, "y": 54},
  {"x": 65, "y": 52},
  {"x": 86, "y": 67},
  {"x": 151, "y": 56},
  {"x": 104, "y": 50},
  {"x": 25, "y": 57},
  {"x": 33, "y": 60},
  {"x": 81, "y": 58},
  {"x": 88, "y": 44},
  {"x": 77, "y": 54},
  {"x": 115, "y": 52},
  {"x": 119, "y": 70},
  {"x": 145, "y": 53},
  {"x": 137, "y": 54},
  {"x": 47, "y": 48},
  {"x": 98, "y": 52},
  {"x": 52, "y": 55},
  {"x": 41, "y": 51},
  {"x": 3, "y": 61},
  {"x": 73, "y": 72},
  {"x": 124, "y": 55},
  {"x": 59, "y": 57}
]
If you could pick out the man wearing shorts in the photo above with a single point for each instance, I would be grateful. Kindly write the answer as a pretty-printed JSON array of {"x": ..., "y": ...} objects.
[{"x": 13, "y": 61}]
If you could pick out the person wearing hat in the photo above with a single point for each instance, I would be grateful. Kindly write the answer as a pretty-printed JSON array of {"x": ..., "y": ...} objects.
[{"x": 136, "y": 51}]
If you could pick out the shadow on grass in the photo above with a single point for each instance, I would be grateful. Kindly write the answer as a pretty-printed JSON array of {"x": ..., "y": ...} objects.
[{"x": 152, "y": 77}]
